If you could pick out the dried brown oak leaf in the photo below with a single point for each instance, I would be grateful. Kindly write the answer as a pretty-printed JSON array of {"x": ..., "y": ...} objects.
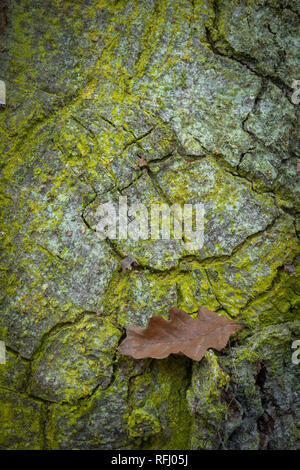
[{"x": 181, "y": 335}]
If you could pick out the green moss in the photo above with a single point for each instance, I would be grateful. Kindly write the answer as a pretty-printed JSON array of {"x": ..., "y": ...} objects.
[
  {"x": 74, "y": 360},
  {"x": 14, "y": 373},
  {"x": 20, "y": 422},
  {"x": 205, "y": 400},
  {"x": 160, "y": 391},
  {"x": 142, "y": 426}
]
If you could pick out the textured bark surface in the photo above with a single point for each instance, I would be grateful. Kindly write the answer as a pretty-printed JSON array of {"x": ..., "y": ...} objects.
[{"x": 201, "y": 89}]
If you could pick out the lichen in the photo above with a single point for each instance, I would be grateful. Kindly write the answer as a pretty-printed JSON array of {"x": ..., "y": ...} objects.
[{"x": 202, "y": 90}]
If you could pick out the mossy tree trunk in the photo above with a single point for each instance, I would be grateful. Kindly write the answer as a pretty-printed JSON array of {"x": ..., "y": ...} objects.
[{"x": 202, "y": 89}]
